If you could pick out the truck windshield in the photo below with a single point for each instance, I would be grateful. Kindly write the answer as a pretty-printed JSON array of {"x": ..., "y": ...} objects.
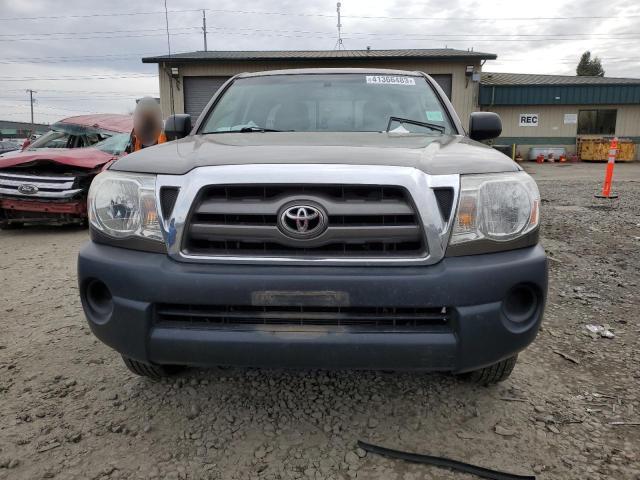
[{"x": 327, "y": 103}]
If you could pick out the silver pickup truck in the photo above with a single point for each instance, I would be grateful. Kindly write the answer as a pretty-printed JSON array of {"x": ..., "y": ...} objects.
[{"x": 321, "y": 218}]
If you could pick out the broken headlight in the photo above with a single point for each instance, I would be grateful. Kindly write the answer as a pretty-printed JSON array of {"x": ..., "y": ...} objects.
[
  {"x": 123, "y": 205},
  {"x": 494, "y": 212}
]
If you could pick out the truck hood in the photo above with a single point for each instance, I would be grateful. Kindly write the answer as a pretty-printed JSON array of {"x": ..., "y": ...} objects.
[
  {"x": 435, "y": 155},
  {"x": 88, "y": 158}
]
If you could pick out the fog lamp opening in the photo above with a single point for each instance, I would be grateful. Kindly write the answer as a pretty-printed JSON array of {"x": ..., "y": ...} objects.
[
  {"x": 521, "y": 303},
  {"x": 99, "y": 300}
]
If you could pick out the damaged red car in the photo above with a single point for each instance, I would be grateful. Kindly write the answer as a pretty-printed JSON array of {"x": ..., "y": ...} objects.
[{"x": 48, "y": 181}]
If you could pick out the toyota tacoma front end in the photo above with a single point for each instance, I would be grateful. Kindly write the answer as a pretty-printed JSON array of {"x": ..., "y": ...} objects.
[{"x": 321, "y": 219}]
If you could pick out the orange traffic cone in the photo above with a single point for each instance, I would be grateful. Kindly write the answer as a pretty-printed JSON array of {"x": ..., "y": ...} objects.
[{"x": 606, "y": 187}]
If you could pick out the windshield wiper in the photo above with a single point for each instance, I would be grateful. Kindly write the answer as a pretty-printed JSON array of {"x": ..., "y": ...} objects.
[
  {"x": 256, "y": 129},
  {"x": 247, "y": 130},
  {"x": 432, "y": 126}
]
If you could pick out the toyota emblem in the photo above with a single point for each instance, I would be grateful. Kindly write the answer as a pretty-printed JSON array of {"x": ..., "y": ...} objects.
[
  {"x": 28, "y": 189},
  {"x": 302, "y": 221}
]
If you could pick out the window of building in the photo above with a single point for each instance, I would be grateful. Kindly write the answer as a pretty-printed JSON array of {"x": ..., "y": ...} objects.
[
  {"x": 445, "y": 81},
  {"x": 597, "y": 122}
]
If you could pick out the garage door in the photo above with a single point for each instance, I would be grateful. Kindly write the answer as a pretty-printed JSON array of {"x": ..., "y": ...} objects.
[{"x": 198, "y": 91}]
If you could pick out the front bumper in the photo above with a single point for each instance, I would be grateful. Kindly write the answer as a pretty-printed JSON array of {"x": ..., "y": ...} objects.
[
  {"x": 473, "y": 288},
  {"x": 42, "y": 211}
]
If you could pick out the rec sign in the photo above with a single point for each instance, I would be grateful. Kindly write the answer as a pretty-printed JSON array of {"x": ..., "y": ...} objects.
[{"x": 528, "y": 119}]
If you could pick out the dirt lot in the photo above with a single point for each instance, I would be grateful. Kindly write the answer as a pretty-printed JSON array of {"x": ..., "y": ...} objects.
[{"x": 69, "y": 409}]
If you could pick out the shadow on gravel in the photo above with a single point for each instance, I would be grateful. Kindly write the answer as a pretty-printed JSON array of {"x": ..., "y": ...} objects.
[{"x": 346, "y": 388}]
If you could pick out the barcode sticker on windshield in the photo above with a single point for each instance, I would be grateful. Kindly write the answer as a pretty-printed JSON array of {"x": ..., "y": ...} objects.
[{"x": 390, "y": 80}]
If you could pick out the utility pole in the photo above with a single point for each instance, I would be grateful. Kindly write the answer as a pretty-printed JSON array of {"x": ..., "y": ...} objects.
[
  {"x": 204, "y": 28},
  {"x": 31, "y": 92},
  {"x": 339, "y": 44}
]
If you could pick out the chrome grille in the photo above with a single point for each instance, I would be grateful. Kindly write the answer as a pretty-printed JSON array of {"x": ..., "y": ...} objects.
[
  {"x": 417, "y": 186},
  {"x": 56, "y": 187},
  {"x": 368, "y": 221}
]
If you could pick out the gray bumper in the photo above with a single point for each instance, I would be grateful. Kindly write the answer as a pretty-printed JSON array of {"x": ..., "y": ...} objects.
[{"x": 474, "y": 288}]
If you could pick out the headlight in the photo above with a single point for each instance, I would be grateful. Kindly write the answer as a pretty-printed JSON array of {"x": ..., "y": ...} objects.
[
  {"x": 496, "y": 208},
  {"x": 123, "y": 205}
]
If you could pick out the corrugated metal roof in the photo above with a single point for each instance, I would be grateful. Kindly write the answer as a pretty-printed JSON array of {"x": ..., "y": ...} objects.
[
  {"x": 489, "y": 78},
  {"x": 431, "y": 54},
  {"x": 621, "y": 94},
  {"x": 528, "y": 89}
]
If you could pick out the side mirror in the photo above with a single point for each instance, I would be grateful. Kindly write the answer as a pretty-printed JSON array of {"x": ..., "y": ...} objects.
[
  {"x": 484, "y": 125},
  {"x": 177, "y": 126}
]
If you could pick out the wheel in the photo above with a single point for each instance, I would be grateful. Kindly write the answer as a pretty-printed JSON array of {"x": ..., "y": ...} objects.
[
  {"x": 155, "y": 372},
  {"x": 495, "y": 373}
]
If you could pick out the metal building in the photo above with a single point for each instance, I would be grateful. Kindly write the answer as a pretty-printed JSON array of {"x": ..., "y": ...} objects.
[
  {"x": 558, "y": 110},
  {"x": 10, "y": 129},
  {"x": 197, "y": 75}
]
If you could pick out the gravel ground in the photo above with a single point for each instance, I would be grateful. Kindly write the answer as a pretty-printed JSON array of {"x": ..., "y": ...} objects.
[{"x": 69, "y": 409}]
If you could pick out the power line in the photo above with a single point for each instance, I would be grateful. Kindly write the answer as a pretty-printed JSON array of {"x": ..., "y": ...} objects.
[
  {"x": 496, "y": 35},
  {"x": 305, "y": 34},
  {"x": 430, "y": 18},
  {"x": 90, "y": 37},
  {"x": 280, "y": 32},
  {"x": 85, "y": 77},
  {"x": 31, "y": 61},
  {"x": 99, "y": 37},
  {"x": 94, "y": 15},
  {"x": 16, "y": 112},
  {"x": 323, "y": 15},
  {"x": 468, "y": 40},
  {"x": 82, "y": 91},
  {"x": 91, "y": 56},
  {"x": 79, "y": 58},
  {"x": 567, "y": 60},
  {"x": 91, "y": 77},
  {"x": 91, "y": 33},
  {"x": 92, "y": 98},
  {"x": 493, "y": 19},
  {"x": 226, "y": 29},
  {"x": 73, "y": 110}
]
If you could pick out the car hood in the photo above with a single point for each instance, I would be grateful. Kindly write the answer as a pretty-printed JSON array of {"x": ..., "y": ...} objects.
[
  {"x": 88, "y": 158},
  {"x": 435, "y": 155}
]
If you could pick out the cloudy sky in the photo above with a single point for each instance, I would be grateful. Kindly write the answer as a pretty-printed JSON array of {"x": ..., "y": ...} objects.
[{"x": 84, "y": 56}]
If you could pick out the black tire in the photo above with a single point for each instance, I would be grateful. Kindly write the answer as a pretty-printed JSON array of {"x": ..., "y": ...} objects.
[
  {"x": 154, "y": 372},
  {"x": 498, "y": 372}
]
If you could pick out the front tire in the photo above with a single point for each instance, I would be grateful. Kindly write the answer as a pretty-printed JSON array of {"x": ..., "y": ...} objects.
[
  {"x": 154, "y": 372},
  {"x": 498, "y": 372}
]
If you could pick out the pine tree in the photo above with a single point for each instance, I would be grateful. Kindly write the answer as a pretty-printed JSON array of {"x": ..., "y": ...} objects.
[{"x": 589, "y": 67}]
